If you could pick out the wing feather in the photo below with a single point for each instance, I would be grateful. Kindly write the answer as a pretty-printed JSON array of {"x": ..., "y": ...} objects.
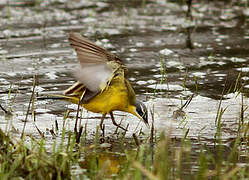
[
  {"x": 86, "y": 47},
  {"x": 97, "y": 64},
  {"x": 94, "y": 76}
]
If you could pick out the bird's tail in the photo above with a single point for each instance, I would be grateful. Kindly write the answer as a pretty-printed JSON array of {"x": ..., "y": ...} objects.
[{"x": 72, "y": 99}]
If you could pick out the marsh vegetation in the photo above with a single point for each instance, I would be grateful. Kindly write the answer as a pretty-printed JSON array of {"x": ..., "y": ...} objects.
[{"x": 190, "y": 67}]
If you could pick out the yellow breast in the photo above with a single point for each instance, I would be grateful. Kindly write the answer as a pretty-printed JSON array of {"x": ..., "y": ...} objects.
[{"x": 114, "y": 97}]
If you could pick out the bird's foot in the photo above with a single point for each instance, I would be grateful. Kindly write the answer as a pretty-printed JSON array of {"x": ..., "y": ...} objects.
[{"x": 118, "y": 126}]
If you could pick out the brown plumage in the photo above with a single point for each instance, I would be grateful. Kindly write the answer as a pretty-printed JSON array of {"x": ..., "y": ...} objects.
[{"x": 102, "y": 86}]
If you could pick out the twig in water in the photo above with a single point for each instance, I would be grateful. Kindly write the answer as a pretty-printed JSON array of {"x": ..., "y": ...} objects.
[
  {"x": 81, "y": 111},
  {"x": 220, "y": 102},
  {"x": 6, "y": 112},
  {"x": 39, "y": 131},
  {"x": 79, "y": 135},
  {"x": 56, "y": 126},
  {"x": 189, "y": 14},
  {"x": 187, "y": 102},
  {"x": 137, "y": 126},
  {"x": 30, "y": 101},
  {"x": 136, "y": 139},
  {"x": 77, "y": 117},
  {"x": 186, "y": 134},
  {"x": 52, "y": 133},
  {"x": 242, "y": 110},
  {"x": 152, "y": 126}
]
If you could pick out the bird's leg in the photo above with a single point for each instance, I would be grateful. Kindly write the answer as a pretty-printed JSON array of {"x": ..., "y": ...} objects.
[
  {"x": 114, "y": 122},
  {"x": 101, "y": 123}
]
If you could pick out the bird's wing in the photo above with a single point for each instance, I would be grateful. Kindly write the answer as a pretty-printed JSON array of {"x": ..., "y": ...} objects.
[
  {"x": 97, "y": 64},
  {"x": 89, "y": 52}
]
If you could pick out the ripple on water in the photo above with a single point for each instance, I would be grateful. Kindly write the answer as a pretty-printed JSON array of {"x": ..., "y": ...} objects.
[
  {"x": 166, "y": 52},
  {"x": 133, "y": 50},
  {"x": 236, "y": 59},
  {"x": 151, "y": 81},
  {"x": 139, "y": 44},
  {"x": 173, "y": 64},
  {"x": 42, "y": 110},
  {"x": 170, "y": 87},
  {"x": 199, "y": 74},
  {"x": 246, "y": 86},
  {"x": 51, "y": 75},
  {"x": 39, "y": 89},
  {"x": 220, "y": 75},
  {"x": 141, "y": 82},
  {"x": 243, "y": 69}
]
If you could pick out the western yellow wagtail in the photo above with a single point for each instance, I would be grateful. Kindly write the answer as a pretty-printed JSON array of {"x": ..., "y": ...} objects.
[{"x": 102, "y": 86}]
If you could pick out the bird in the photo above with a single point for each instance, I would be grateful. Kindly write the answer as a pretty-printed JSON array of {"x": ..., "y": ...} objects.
[{"x": 101, "y": 82}]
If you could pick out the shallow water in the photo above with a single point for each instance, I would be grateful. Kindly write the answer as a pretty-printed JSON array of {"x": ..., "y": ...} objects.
[{"x": 169, "y": 58}]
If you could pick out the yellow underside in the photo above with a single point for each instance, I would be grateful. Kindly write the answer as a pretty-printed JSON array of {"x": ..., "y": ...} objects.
[{"x": 116, "y": 96}]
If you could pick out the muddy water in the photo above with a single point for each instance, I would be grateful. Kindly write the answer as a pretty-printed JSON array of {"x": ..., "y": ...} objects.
[{"x": 170, "y": 58}]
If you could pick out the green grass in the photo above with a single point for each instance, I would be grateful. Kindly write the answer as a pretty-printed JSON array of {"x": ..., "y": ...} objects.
[{"x": 165, "y": 158}]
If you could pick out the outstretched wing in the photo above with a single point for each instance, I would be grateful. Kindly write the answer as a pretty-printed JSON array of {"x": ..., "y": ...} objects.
[
  {"x": 97, "y": 65},
  {"x": 89, "y": 52},
  {"x": 95, "y": 70}
]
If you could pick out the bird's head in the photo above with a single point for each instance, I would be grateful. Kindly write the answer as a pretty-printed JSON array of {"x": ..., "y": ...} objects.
[{"x": 141, "y": 111}]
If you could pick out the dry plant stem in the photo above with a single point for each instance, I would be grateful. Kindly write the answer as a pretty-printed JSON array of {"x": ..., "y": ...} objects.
[
  {"x": 186, "y": 134},
  {"x": 39, "y": 131},
  {"x": 187, "y": 102},
  {"x": 152, "y": 126},
  {"x": 79, "y": 135},
  {"x": 81, "y": 111},
  {"x": 30, "y": 101},
  {"x": 56, "y": 126},
  {"x": 137, "y": 126},
  {"x": 52, "y": 133},
  {"x": 189, "y": 14},
  {"x": 77, "y": 117},
  {"x": 242, "y": 110},
  {"x": 136, "y": 139},
  {"x": 3, "y": 109},
  {"x": 219, "y": 106}
]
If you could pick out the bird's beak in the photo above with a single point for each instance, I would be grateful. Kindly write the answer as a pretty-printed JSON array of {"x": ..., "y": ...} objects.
[{"x": 141, "y": 118}]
